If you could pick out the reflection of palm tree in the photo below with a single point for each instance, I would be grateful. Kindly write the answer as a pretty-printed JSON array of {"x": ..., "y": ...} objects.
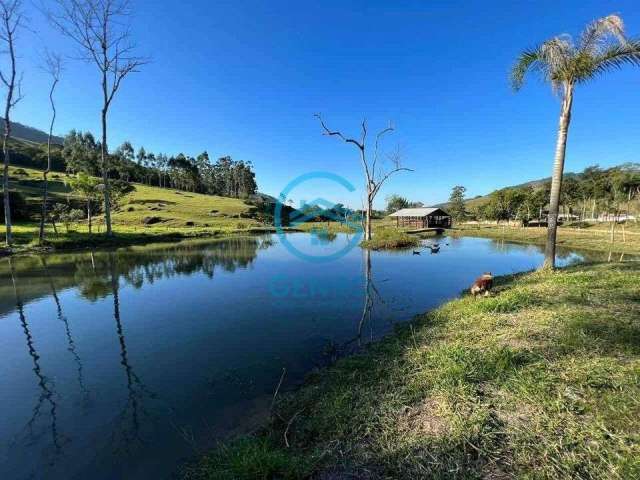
[
  {"x": 65, "y": 321},
  {"x": 47, "y": 390}
]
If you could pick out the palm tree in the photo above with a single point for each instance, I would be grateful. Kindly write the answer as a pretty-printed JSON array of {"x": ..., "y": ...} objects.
[{"x": 564, "y": 64}]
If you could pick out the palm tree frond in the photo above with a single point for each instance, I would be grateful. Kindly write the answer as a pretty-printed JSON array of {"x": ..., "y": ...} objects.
[
  {"x": 527, "y": 61},
  {"x": 599, "y": 34},
  {"x": 616, "y": 57},
  {"x": 556, "y": 57}
]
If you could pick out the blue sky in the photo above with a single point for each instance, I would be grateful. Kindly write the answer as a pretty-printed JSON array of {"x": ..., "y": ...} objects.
[{"x": 244, "y": 78}]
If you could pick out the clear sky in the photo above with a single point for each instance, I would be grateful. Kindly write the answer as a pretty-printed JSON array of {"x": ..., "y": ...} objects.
[{"x": 244, "y": 78}]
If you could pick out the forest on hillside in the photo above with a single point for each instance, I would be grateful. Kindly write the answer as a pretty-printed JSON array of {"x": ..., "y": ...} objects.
[
  {"x": 593, "y": 194},
  {"x": 80, "y": 153}
]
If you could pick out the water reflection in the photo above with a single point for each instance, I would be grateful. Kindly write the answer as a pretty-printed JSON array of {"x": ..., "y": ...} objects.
[
  {"x": 72, "y": 345},
  {"x": 371, "y": 296},
  {"x": 91, "y": 273},
  {"x": 169, "y": 347},
  {"x": 322, "y": 236},
  {"x": 46, "y": 386}
]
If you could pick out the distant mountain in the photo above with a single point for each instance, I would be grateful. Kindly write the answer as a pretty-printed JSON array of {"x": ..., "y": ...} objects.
[{"x": 29, "y": 134}]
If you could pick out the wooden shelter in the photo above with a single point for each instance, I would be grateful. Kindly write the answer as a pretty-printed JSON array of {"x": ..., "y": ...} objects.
[{"x": 427, "y": 217}]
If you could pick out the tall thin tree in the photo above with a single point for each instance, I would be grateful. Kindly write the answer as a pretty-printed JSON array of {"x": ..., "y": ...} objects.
[
  {"x": 101, "y": 30},
  {"x": 11, "y": 19},
  {"x": 564, "y": 64},
  {"x": 375, "y": 173},
  {"x": 53, "y": 67}
]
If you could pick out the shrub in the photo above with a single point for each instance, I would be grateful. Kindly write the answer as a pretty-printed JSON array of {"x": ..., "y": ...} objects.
[
  {"x": 70, "y": 216},
  {"x": 19, "y": 210}
]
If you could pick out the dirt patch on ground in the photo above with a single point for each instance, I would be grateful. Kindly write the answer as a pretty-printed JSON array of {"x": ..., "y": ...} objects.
[{"x": 423, "y": 419}]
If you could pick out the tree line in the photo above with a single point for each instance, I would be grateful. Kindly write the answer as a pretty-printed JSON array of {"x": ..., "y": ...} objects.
[
  {"x": 224, "y": 177},
  {"x": 595, "y": 193}
]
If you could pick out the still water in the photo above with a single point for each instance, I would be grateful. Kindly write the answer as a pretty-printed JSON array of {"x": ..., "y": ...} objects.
[{"x": 123, "y": 364}]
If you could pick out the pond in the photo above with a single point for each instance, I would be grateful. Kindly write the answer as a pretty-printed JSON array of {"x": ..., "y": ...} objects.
[{"x": 124, "y": 364}]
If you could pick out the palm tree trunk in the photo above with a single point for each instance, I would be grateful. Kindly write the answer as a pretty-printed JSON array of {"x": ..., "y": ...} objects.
[{"x": 556, "y": 178}]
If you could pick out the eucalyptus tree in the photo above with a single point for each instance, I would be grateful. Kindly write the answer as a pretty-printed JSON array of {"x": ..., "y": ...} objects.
[
  {"x": 11, "y": 21},
  {"x": 81, "y": 153},
  {"x": 564, "y": 64},
  {"x": 53, "y": 67},
  {"x": 456, "y": 202},
  {"x": 100, "y": 28},
  {"x": 88, "y": 188}
]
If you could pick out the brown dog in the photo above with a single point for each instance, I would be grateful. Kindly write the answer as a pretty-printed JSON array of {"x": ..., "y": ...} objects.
[{"x": 482, "y": 284}]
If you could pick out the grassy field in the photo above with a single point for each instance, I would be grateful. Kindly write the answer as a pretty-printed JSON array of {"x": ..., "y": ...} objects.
[
  {"x": 178, "y": 215},
  {"x": 592, "y": 237},
  {"x": 539, "y": 381}
]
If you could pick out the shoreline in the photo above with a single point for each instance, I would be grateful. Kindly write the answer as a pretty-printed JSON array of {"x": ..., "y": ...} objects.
[
  {"x": 567, "y": 238},
  {"x": 121, "y": 240},
  {"x": 478, "y": 386}
]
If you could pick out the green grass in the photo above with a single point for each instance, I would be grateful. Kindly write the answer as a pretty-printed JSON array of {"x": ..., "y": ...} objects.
[
  {"x": 539, "y": 381},
  {"x": 328, "y": 227},
  {"x": 593, "y": 237},
  {"x": 180, "y": 214},
  {"x": 386, "y": 238}
]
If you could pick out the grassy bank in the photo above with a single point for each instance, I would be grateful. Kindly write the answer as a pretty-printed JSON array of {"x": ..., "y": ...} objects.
[
  {"x": 174, "y": 215},
  {"x": 541, "y": 380},
  {"x": 593, "y": 237}
]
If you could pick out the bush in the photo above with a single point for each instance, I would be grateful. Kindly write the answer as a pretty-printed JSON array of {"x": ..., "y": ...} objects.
[
  {"x": 70, "y": 216},
  {"x": 19, "y": 210}
]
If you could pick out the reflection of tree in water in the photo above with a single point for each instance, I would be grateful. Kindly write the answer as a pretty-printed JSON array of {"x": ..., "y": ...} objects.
[
  {"x": 371, "y": 299},
  {"x": 47, "y": 389},
  {"x": 371, "y": 296},
  {"x": 564, "y": 254},
  {"x": 128, "y": 433},
  {"x": 138, "y": 267},
  {"x": 72, "y": 346},
  {"x": 322, "y": 236}
]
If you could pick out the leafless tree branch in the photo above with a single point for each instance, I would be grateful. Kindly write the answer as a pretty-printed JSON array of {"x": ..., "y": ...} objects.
[
  {"x": 11, "y": 19},
  {"x": 101, "y": 31},
  {"x": 373, "y": 179}
]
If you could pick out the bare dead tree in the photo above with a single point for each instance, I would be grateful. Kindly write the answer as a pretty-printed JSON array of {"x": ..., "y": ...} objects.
[
  {"x": 53, "y": 67},
  {"x": 374, "y": 170},
  {"x": 11, "y": 19},
  {"x": 100, "y": 28}
]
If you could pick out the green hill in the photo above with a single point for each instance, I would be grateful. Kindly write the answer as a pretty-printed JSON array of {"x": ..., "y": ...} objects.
[
  {"x": 29, "y": 134},
  {"x": 146, "y": 214},
  {"x": 173, "y": 208}
]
